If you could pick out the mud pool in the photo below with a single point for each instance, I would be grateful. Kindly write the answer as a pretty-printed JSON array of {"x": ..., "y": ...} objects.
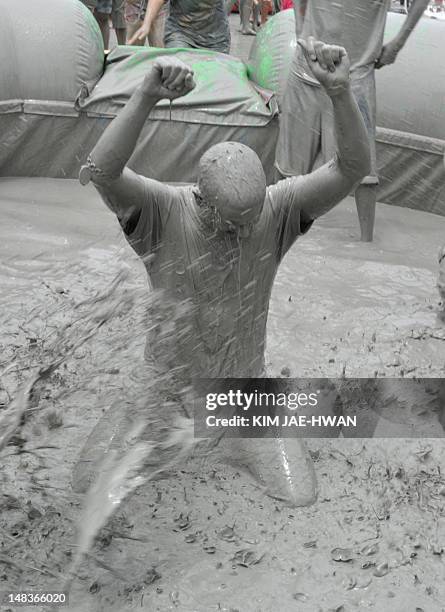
[{"x": 206, "y": 538}]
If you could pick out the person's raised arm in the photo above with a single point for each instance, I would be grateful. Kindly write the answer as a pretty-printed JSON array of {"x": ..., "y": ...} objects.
[
  {"x": 322, "y": 189},
  {"x": 106, "y": 166},
  {"x": 153, "y": 8},
  {"x": 391, "y": 49}
]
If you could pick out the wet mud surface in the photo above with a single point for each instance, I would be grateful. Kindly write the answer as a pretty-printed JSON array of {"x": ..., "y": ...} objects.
[{"x": 206, "y": 537}]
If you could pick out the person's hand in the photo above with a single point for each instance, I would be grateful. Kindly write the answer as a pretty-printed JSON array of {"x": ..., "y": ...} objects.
[
  {"x": 140, "y": 34},
  {"x": 169, "y": 78},
  {"x": 388, "y": 55},
  {"x": 329, "y": 64}
]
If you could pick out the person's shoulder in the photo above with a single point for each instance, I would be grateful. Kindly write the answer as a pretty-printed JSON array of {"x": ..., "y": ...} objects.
[
  {"x": 273, "y": 202},
  {"x": 170, "y": 189},
  {"x": 183, "y": 191},
  {"x": 283, "y": 190},
  {"x": 181, "y": 195}
]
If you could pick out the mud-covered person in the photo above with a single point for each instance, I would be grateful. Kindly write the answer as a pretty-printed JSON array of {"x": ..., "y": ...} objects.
[
  {"x": 306, "y": 138},
  {"x": 103, "y": 11},
  {"x": 135, "y": 13},
  {"x": 245, "y": 13},
  {"x": 194, "y": 24},
  {"x": 214, "y": 248},
  {"x": 254, "y": 11}
]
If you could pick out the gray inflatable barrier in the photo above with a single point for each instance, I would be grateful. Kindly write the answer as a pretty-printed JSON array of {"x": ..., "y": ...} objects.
[
  {"x": 410, "y": 106},
  {"x": 53, "y": 113},
  {"x": 50, "y": 50},
  {"x": 272, "y": 52}
]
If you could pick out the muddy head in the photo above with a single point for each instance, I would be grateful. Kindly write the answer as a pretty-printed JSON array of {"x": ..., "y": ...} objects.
[{"x": 232, "y": 182}]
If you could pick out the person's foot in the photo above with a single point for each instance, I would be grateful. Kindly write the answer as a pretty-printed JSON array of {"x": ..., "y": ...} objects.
[
  {"x": 248, "y": 31},
  {"x": 282, "y": 466}
]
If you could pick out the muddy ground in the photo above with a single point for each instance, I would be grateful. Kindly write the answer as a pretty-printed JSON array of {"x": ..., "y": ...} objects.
[{"x": 206, "y": 537}]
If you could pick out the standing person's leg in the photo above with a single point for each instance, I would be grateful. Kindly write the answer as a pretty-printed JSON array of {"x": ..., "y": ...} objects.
[
  {"x": 245, "y": 10},
  {"x": 302, "y": 132},
  {"x": 256, "y": 10},
  {"x": 156, "y": 36},
  {"x": 134, "y": 14},
  {"x": 102, "y": 13},
  {"x": 365, "y": 200},
  {"x": 366, "y": 193},
  {"x": 118, "y": 19}
]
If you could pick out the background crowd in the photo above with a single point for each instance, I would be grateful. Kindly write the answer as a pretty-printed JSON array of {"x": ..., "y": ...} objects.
[
  {"x": 140, "y": 22},
  {"x": 200, "y": 23}
]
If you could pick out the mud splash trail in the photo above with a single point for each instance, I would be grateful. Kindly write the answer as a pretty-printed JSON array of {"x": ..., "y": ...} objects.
[{"x": 206, "y": 538}]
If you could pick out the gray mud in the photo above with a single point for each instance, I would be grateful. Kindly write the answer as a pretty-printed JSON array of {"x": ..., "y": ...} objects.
[{"x": 206, "y": 538}]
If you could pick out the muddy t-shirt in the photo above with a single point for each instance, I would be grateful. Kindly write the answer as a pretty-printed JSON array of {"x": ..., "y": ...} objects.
[
  {"x": 357, "y": 25},
  {"x": 198, "y": 23},
  {"x": 222, "y": 286}
]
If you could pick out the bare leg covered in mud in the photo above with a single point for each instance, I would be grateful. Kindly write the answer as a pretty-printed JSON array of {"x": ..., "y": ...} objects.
[
  {"x": 245, "y": 10},
  {"x": 365, "y": 199},
  {"x": 214, "y": 248},
  {"x": 103, "y": 20}
]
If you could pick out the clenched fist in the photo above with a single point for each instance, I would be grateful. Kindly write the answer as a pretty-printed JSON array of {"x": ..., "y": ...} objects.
[
  {"x": 329, "y": 64},
  {"x": 168, "y": 78}
]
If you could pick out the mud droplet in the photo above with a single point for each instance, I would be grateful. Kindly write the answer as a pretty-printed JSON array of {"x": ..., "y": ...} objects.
[
  {"x": 349, "y": 583},
  {"x": 341, "y": 554},
  {"x": 300, "y": 597},
  {"x": 436, "y": 548},
  {"x": 368, "y": 564},
  {"x": 191, "y": 538},
  {"x": 182, "y": 522},
  {"x": 246, "y": 558},
  {"x": 370, "y": 549},
  {"x": 227, "y": 534},
  {"x": 151, "y": 576},
  {"x": 210, "y": 550},
  {"x": 381, "y": 570}
]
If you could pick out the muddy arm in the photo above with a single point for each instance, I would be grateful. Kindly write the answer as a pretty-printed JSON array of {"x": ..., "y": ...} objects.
[
  {"x": 153, "y": 8},
  {"x": 123, "y": 189},
  {"x": 322, "y": 189},
  {"x": 392, "y": 48},
  {"x": 120, "y": 187}
]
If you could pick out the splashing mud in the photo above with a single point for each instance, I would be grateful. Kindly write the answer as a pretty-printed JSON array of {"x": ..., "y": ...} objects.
[{"x": 206, "y": 538}]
